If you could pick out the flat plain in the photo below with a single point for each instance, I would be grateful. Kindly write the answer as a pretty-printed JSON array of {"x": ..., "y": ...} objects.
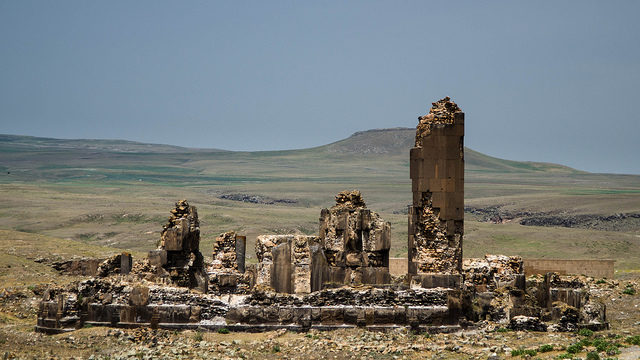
[{"x": 117, "y": 194}]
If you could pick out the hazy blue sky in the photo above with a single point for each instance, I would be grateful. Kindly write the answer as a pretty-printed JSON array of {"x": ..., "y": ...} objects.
[{"x": 553, "y": 81}]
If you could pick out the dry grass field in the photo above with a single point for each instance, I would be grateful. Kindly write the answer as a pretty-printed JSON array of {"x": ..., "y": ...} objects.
[{"x": 117, "y": 194}]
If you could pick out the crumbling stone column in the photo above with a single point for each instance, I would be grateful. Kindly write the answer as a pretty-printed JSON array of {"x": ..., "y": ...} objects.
[
  {"x": 179, "y": 251},
  {"x": 436, "y": 217},
  {"x": 356, "y": 241}
]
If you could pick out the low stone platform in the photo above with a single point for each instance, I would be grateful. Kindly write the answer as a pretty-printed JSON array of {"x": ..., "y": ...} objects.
[
  {"x": 433, "y": 310},
  {"x": 433, "y": 319}
]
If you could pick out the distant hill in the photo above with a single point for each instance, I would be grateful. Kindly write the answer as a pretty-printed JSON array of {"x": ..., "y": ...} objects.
[
  {"x": 398, "y": 141},
  {"x": 380, "y": 143},
  {"x": 32, "y": 143}
]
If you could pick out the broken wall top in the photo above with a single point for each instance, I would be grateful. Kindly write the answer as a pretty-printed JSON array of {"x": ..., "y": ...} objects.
[
  {"x": 442, "y": 112},
  {"x": 224, "y": 252},
  {"x": 182, "y": 210},
  {"x": 349, "y": 199}
]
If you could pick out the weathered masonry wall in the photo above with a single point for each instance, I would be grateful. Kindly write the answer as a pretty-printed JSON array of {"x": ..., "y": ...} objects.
[
  {"x": 595, "y": 268},
  {"x": 437, "y": 176}
]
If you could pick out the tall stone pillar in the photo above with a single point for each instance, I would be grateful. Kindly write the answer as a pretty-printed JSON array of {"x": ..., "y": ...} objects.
[{"x": 436, "y": 217}]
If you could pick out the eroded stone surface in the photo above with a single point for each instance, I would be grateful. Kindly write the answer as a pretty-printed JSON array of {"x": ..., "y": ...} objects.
[
  {"x": 436, "y": 216},
  {"x": 285, "y": 262},
  {"x": 356, "y": 241},
  {"x": 180, "y": 246}
]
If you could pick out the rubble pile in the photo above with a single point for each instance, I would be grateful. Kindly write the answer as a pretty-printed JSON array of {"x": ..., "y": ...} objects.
[
  {"x": 350, "y": 199},
  {"x": 567, "y": 300},
  {"x": 493, "y": 271},
  {"x": 356, "y": 241},
  {"x": 441, "y": 112},
  {"x": 353, "y": 297},
  {"x": 224, "y": 252}
]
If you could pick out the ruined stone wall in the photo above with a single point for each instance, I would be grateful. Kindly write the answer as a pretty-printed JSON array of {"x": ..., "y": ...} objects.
[
  {"x": 227, "y": 271},
  {"x": 436, "y": 217},
  {"x": 285, "y": 262},
  {"x": 356, "y": 241},
  {"x": 493, "y": 272},
  {"x": 179, "y": 252}
]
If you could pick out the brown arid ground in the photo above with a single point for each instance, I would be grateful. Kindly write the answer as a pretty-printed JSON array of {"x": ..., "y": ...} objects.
[{"x": 18, "y": 340}]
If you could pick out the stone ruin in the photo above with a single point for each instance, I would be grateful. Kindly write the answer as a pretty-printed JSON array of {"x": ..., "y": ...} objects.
[
  {"x": 227, "y": 270},
  {"x": 356, "y": 241},
  {"x": 179, "y": 252},
  {"x": 436, "y": 217},
  {"x": 338, "y": 278}
]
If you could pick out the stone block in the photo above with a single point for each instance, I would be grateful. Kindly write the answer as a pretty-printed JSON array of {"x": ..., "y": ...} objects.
[
  {"x": 400, "y": 315},
  {"x": 281, "y": 275},
  {"x": 228, "y": 280},
  {"x": 139, "y": 296},
  {"x": 194, "y": 314},
  {"x": 128, "y": 314},
  {"x": 271, "y": 314},
  {"x": 352, "y": 314},
  {"x": 337, "y": 275},
  {"x": 285, "y": 315},
  {"x": 174, "y": 313},
  {"x": 429, "y": 281},
  {"x": 126, "y": 262},
  {"x": 319, "y": 268},
  {"x": 384, "y": 316},
  {"x": 316, "y": 315},
  {"x": 263, "y": 274},
  {"x": 158, "y": 258},
  {"x": 241, "y": 248},
  {"x": 172, "y": 239},
  {"x": 302, "y": 316},
  {"x": 302, "y": 279},
  {"x": 332, "y": 315}
]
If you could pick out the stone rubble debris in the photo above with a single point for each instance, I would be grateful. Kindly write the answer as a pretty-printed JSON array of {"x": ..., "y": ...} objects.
[{"x": 441, "y": 112}]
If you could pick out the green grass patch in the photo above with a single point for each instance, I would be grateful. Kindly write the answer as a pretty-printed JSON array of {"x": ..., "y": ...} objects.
[
  {"x": 545, "y": 348},
  {"x": 633, "y": 340},
  {"x": 523, "y": 352},
  {"x": 575, "y": 348},
  {"x": 593, "y": 356},
  {"x": 585, "y": 332}
]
